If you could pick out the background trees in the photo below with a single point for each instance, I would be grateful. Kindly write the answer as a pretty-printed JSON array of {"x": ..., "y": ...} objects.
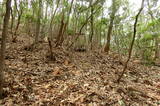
[
  {"x": 103, "y": 23},
  {"x": 83, "y": 23},
  {"x": 88, "y": 24}
]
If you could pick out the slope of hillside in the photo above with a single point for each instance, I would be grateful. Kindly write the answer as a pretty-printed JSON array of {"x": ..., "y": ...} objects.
[{"x": 75, "y": 78}]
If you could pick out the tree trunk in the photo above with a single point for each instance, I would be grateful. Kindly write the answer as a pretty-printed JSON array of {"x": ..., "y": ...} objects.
[
  {"x": 92, "y": 29},
  {"x": 12, "y": 21},
  {"x": 107, "y": 46},
  {"x": 80, "y": 31},
  {"x": 132, "y": 43},
  {"x": 63, "y": 27},
  {"x": 38, "y": 25},
  {"x": 157, "y": 49},
  {"x": 17, "y": 26},
  {"x": 46, "y": 12},
  {"x": 51, "y": 23},
  {"x": 18, "y": 21},
  {"x": 3, "y": 44},
  {"x": 59, "y": 36}
]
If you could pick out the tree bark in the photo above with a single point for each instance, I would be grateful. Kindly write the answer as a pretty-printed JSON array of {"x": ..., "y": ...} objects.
[
  {"x": 18, "y": 21},
  {"x": 132, "y": 43},
  {"x": 63, "y": 27},
  {"x": 92, "y": 19},
  {"x": 17, "y": 26},
  {"x": 51, "y": 23},
  {"x": 46, "y": 11},
  {"x": 157, "y": 49},
  {"x": 107, "y": 46},
  {"x": 38, "y": 25},
  {"x": 12, "y": 20},
  {"x": 3, "y": 45},
  {"x": 59, "y": 36}
]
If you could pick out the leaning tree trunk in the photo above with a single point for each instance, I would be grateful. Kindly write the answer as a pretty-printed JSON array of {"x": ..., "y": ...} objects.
[
  {"x": 17, "y": 26},
  {"x": 52, "y": 19},
  {"x": 80, "y": 31},
  {"x": 107, "y": 46},
  {"x": 59, "y": 36},
  {"x": 3, "y": 44},
  {"x": 67, "y": 23},
  {"x": 132, "y": 43},
  {"x": 19, "y": 12},
  {"x": 63, "y": 27}
]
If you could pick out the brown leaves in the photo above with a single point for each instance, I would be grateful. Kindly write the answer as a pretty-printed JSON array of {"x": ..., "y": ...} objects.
[
  {"x": 57, "y": 71},
  {"x": 82, "y": 79},
  {"x": 66, "y": 62}
]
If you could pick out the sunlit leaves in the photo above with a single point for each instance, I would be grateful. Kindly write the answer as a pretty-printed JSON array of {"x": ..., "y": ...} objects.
[{"x": 151, "y": 30}]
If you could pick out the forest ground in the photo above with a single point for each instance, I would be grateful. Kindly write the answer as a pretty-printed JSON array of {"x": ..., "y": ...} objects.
[{"x": 75, "y": 78}]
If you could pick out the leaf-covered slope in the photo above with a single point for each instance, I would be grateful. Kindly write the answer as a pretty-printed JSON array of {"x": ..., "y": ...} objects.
[{"x": 82, "y": 79}]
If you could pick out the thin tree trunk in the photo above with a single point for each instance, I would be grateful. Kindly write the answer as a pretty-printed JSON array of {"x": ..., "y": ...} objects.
[
  {"x": 18, "y": 21},
  {"x": 12, "y": 21},
  {"x": 46, "y": 12},
  {"x": 51, "y": 23},
  {"x": 3, "y": 45},
  {"x": 68, "y": 17},
  {"x": 63, "y": 27},
  {"x": 17, "y": 26},
  {"x": 157, "y": 49},
  {"x": 107, "y": 46},
  {"x": 38, "y": 25},
  {"x": 80, "y": 31},
  {"x": 59, "y": 36},
  {"x": 132, "y": 43},
  {"x": 92, "y": 29}
]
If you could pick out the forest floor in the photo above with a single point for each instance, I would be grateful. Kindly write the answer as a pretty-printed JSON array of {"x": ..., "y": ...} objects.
[{"x": 75, "y": 79}]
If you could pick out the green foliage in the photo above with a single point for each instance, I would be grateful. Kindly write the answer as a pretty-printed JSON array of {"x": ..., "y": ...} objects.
[
  {"x": 81, "y": 8},
  {"x": 50, "y": 2},
  {"x": 147, "y": 55},
  {"x": 150, "y": 31},
  {"x": 150, "y": 25},
  {"x": 44, "y": 21},
  {"x": 57, "y": 19},
  {"x": 70, "y": 31},
  {"x": 104, "y": 21},
  {"x": 28, "y": 16},
  {"x": 34, "y": 5},
  {"x": 124, "y": 16},
  {"x": 147, "y": 37}
]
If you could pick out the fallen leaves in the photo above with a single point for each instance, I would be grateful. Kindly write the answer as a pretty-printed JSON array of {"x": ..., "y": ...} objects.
[
  {"x": 154, "y": 96},
  {"x": 57, "y": 71},
  {"x": 76, "y": 79}
]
